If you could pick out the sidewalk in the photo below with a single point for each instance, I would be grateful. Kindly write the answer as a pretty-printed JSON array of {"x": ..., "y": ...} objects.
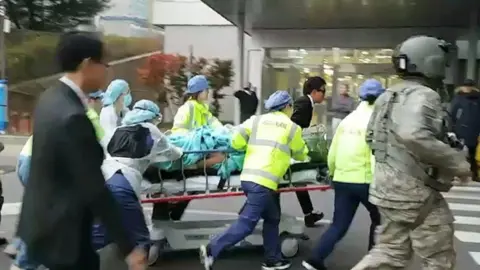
[{"x": 13, "y": 139}]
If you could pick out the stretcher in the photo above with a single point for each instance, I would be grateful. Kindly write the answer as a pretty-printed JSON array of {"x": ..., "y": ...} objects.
[{"x": 193, "y": 184}]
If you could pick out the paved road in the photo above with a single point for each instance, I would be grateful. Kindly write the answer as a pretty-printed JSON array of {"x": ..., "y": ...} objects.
[{"x": 464, "y": 201}]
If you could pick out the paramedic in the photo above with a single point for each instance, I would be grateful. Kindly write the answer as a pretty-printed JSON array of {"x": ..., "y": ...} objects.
[
  {"x": 133, "y": 146},
  {"x": 23, "y": 169},
  {"x": 270, "y": 141},
  {"x": 116, "y": 100},
  {"x": 349, "y": 162},
  {"x": 195, "y": 112}
]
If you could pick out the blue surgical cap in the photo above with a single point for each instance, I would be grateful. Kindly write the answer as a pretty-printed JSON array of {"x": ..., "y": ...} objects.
[
  {"x": 197, "y": 84},
  {"x": 115, "y": 89},
  {"x": 370, "y": 87},
  {"x": 96, "y": 95},
  {"x": 278, "y": 100},
  {"x": 143, "y": 111}
]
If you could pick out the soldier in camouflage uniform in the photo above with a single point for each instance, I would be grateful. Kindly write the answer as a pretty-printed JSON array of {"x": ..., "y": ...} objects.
[{"x": 413, "y": 164}]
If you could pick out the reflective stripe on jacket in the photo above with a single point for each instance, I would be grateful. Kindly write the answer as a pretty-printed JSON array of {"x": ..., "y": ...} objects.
[
  {"x": 349, "y": 156},
  {"x": 193, "y": 114},
  {"x": 271, "y": 140}
]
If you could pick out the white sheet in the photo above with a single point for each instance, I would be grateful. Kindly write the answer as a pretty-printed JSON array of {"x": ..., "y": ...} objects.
[{"x": 198, "y": 183}]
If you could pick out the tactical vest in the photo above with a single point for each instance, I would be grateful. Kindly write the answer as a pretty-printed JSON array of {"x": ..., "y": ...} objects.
[{"x": 386, "y": 147}]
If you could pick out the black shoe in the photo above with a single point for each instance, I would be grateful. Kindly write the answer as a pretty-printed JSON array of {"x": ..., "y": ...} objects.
[
  {"x": 206, "y": 258},
  {"x": 312, "y": 218},
  {"x": 281, "y": 265},
  {"x": 311, "y": 265},
  {"x": 3, "y": 241}
]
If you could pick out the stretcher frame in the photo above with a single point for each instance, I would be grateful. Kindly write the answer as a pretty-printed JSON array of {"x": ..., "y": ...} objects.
[{"x": 291, "y": 230}]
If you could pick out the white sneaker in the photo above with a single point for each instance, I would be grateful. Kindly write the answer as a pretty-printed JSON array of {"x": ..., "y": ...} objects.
[
  {"x": 14, "y": 267},
  {"x": 11, "y": 250},
  {"x": 206, "y": 258}
]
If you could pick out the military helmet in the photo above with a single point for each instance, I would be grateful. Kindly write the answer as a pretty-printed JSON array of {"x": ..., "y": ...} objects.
[{"x": 421, "y": 56}]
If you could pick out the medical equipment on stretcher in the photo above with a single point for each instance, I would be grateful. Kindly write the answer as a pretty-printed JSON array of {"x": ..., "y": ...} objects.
[{"x": 194, "y": 184}]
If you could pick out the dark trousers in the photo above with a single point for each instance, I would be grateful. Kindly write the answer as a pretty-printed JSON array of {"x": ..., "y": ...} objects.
[
  {"x": 347, "y": 199},
  {"x": 87, "y": 257},
  {"x": 305, "y": 202},
  {"x": 261, "y": 203},
  {"x": 473, "y": 162}
]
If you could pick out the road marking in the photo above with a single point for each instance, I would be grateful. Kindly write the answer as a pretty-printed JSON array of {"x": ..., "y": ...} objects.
[
  {"x": 468, "y": 237},
  {"x": 466, "y": 189},
  {"x": 467, "y": 220},
  {"x": 475, "y": 256},
  {"x": 461, "y": 196},
  {"x": 464, "y": 207}
]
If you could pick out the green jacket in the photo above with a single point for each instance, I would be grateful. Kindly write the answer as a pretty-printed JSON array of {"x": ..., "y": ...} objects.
[{"x": 349, "y": 157}]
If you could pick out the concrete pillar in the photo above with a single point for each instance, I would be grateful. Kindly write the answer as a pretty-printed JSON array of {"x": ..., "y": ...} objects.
[
  {"x": 241, "y": 57},
  {"x": 472, "y": 45}
]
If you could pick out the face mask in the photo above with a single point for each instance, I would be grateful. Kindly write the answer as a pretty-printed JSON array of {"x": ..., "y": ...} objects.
[{"x": 127, "y": 100}]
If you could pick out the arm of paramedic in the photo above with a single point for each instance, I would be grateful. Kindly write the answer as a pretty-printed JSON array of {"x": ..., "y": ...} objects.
[
  {"x": 214, "y": 122},
  {"x": 332, "y": 151},
  {"x": 298, "y": 146},
  {"x": 181, "y": 119},
  {"x": 302, "y": 108},
  {"x": 419, "y": 135},
  {"x": 241, "y": 135},
  {"x": 165, "y": 150},
  {"x": 84, "y": 156},
  {"x": 95, "y": 119}
]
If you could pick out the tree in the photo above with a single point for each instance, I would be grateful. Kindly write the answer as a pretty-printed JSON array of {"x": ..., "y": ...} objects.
[
  {"x": 52, "y": 15},
  {"x": 166, "y": 73}
]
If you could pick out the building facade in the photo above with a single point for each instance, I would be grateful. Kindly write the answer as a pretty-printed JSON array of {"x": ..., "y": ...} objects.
[{"x": 277, "y": 44}]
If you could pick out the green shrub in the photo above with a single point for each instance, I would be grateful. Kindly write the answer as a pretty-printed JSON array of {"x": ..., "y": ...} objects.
[{"x": 31, "y": 55}]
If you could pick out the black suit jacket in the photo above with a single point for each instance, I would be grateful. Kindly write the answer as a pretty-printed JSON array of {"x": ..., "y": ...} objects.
[
  {"x": 66, "y": 189},
  {"x": 302, "y": 112}
]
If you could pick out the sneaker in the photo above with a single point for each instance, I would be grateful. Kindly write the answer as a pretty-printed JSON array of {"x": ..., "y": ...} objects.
[
  {"x": 206, "y": 258},
  {"x": 283, "y": 264},
  {"x": 311, "y": 265},
  {"x": 312, "y": 218},
  {"x": 11, "y": 250}
]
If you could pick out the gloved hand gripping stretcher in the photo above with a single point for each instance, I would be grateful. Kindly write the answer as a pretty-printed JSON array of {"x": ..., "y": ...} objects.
[{"x": 204, "y": 183}]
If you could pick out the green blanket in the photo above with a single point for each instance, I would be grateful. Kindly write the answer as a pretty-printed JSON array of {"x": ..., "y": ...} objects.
[{"x": 316, "y": 139}]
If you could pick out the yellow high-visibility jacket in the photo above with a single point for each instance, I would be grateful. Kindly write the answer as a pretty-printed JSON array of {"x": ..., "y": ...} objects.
[
  {"x": 270, "y": 140},
  {"x": 350, "y": 158},
  {"x": 193, "y": 114}
]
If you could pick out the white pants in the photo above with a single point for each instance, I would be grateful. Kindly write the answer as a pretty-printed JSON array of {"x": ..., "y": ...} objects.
[{"x": 335, "y": 123}]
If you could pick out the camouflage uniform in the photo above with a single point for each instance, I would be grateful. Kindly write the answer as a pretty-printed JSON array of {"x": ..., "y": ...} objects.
[{"x": 412, "y": 166}]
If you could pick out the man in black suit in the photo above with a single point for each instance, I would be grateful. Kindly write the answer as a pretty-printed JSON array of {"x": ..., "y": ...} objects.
[
  {"x": 66, "y": 189},
  {"x": 313, "y": 93}
]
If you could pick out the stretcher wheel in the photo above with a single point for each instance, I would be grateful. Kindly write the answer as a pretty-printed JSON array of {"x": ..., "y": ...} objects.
[{"x": 289, "y": 246}]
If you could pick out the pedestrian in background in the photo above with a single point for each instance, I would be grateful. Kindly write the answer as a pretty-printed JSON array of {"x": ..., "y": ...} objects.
[
  {"x": 465, "y": 113},
  {"x": 343, "y": 104}
]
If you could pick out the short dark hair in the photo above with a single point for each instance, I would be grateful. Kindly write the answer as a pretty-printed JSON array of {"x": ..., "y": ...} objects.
[
  {"x": 74, "y": 47},
  {"x": 469, "y": 82},
  {"x": 314, "y": 83}
]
